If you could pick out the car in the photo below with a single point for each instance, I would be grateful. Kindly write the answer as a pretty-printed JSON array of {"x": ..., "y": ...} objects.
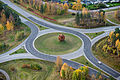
[{"x": 99, "y": 62}]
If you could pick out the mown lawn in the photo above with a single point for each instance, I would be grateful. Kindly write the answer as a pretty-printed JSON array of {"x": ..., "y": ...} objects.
[
  {"x": 93, "y": 35},
  {"x": 50, "y": 44},
  {"x": 47, "y": 71},
  {"x": 19, "y": 51}
]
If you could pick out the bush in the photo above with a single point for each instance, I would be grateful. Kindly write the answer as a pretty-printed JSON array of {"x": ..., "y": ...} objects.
[
  {"x": 3, "y": 46},
  {"x": 19, "y": 36},
  {"x": 73, "y": 14},
  {"x": 29, "y": 9},
  {"x": 13, "y": 69},
  {"x": 35, "y": 67},
  {"x": 25, "y": 66},
  {"x": 16, "y": 2}
]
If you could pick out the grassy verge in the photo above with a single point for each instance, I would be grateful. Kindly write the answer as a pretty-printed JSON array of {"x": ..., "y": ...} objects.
[
  {"x": 16, "y": 72},
  {"x": 55, "y": 47},
  {"x": 84, "y": 61},
  {"x": 111, "y": 17},
  {"x": 109, "y": 59},
  {"x": 93, "y": 35},
  {"x": 19, "y": 51}
]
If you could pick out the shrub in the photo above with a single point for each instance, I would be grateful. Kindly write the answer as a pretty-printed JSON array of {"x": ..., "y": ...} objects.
[
  {"x": 35, "y": 67},
  {"x": 12, "y": 69},
  {"x": 25, "y": 66},
  {"x": 29, "y": 9},
  {"x": 3, "y": 46},
  {"x": 19, "y": 36},
  {"x": 73, "y": 14},
  {"x": 16, "y": 2}
]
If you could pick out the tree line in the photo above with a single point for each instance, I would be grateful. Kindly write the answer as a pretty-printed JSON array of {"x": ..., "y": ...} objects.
[{"x": 90, "y": 19}]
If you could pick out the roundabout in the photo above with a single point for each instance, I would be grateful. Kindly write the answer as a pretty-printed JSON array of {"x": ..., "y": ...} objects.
[{"x": 56, "y": 47}]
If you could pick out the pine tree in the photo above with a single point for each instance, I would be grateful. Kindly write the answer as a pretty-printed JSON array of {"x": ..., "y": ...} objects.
[
  {"x": 77, "y": 19},
  {"x": 42, "y": 9}
]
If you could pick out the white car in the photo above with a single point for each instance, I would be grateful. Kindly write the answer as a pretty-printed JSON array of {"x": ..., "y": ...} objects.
[{"x": 99, "y": 62}]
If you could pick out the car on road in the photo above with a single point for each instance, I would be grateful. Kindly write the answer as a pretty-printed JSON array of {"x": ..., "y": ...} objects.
[{"x": 99, "y": 62}]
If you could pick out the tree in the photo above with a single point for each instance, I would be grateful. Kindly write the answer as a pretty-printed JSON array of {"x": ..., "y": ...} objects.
[
  {"x": 8, "y": 26},
  {"x": 33, "y": 3},
  {"x": 42, "y": 9},
  {"x": 1, "y": 28},
  {"x": 11, "y": 18},
  {"x": 78, "y": 5},
  {"x": 3, "y": 18},
  {"x": 84, "y": 11},
  {"x": 58, "y": 63},
  {"x": 74, "y": 76},
  {"x": 77, "y": 19},
  {"x": 64, "y": 67},
  {"x": 11, "y": 26},
  {"x": 117, "y": 41},
  {"x": 63, "y": 74},
  {"x": 66, "y": 7},
  {"x": 21, "y": 1}
]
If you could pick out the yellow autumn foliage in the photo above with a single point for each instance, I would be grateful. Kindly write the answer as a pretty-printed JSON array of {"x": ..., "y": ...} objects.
[
  {"x": 117, "y": 41},
  {"x": 111, "y": 34},
  {"x": 117, "y": 35},
  {"x": 8, "y": 26},
  {"x": 64, "y": 67}
]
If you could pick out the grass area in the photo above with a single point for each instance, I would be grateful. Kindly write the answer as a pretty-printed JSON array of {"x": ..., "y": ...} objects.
[
  {"x": 16, "y": 72},
  {"x": 2, "y": 77},
  {"x": 113, "y": 4},
  {"x": 41, "y": 27},
  {"x": 109, "y": 59},
  {"x": 19, "y": 51},
  {"x": 50, "y": 44},
  {"x": 9, "y": 37},
  {"x": 111, "y": 17},
  {"x": 84, "y": 61},
  {"x": 93, "y": 35}
]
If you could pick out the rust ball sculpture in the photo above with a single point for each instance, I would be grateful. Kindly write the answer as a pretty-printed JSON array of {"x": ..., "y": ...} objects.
[{"x": 61, "y": 37}]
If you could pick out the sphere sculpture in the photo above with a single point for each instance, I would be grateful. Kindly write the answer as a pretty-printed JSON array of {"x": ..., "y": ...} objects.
[{"x": 61, "y": 37}]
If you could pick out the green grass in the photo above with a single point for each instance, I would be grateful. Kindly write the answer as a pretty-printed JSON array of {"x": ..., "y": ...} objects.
[
  {"x": 84, "y": 61},
  {"x": 93, "y": 35},
  {"x": 28, "y": 74},
  {"x": 109, "y": 59},
  {"x": 19, "y": 51},
  {"x": 112, "y": 18},
  {"x": 50, "y": 44},
  {"x": 113, "y": 4},
  {"x": 41, "y": 27}
]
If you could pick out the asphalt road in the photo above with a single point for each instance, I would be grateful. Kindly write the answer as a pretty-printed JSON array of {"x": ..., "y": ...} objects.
[{"x": 87, "y": 48}]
